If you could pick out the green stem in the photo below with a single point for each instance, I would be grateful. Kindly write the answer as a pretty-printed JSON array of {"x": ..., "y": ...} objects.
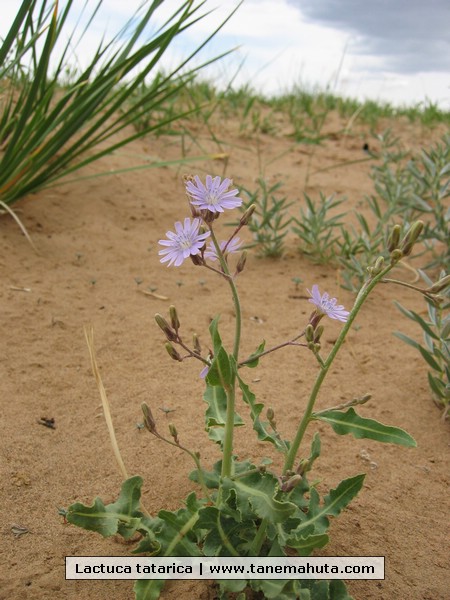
[
  {"x": 259, "y": 538},
  {"x": 360, "y": 299},
  {"x": 227, "y": 457}
]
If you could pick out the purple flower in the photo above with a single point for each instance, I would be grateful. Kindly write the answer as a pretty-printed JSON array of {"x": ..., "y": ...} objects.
[
  {"x": 214, "y": 196},
  {"x": 327, "y": 306},
  {"x": 232, "y": 248},
  {"x": 187, "y": 241}
]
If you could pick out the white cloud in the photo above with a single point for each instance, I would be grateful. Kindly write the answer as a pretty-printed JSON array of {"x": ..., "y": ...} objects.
[{"x": 279, "y": 48}]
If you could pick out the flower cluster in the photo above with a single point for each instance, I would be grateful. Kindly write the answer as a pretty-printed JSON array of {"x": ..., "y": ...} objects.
[{"x": 188, "y": 240}]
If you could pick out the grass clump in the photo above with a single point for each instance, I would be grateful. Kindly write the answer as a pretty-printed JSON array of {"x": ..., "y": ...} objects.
[{"x": 48, "y": 131}]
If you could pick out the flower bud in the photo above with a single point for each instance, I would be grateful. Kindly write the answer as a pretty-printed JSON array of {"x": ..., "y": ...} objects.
[
  {"x": 165, "y": 327},
  {"x": 241, "y": 262},
  {"x": 396, "y": 255},
  {"x": 394, "y": 238},
  {"x": 174, "y": 318},
  {"x": 303, "y": 467},
  {"x": 290, "y": 484},
  {"x": 149, "y": 421},
  {"x": 197, "y": 260},
  {"x": 378, "y": 266},
  {"x": 196, "y": 342},
  {"x": 439, "y": 285},
  {"x": 411, "y": 238},
  {"x": 318, "y": 334},
  {"x": 309, "y": 333},
  {"x": 270, "y": 414},
  {"x": 173, "y": 432},
  {"x": 172, "y": 352},
  {"x": 245, "y": 219}
]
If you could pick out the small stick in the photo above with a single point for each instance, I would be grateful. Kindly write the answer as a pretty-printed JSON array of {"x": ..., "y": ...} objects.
[{"x": 147, "y": 293}]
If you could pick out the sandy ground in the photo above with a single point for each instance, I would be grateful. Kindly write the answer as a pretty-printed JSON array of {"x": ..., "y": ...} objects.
[{"x": 95, "y": 237}]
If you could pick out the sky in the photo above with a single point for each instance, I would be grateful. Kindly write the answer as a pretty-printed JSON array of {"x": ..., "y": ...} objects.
[{"x": 395, "y": 51}]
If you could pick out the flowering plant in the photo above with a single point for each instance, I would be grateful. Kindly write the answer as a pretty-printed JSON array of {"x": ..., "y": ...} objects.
[{"x": 246, "y": 509}]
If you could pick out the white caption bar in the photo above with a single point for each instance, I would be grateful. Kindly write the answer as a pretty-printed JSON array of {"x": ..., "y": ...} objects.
[{"x": 286, "y": 567}]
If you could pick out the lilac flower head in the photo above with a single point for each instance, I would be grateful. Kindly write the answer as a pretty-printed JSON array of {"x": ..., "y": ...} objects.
[
  {"x": 185, "y": 242},
  {"x": 327, "y": 306},
  {"x": 231, "y": 248},
  {"x": 215, "y": 196}
]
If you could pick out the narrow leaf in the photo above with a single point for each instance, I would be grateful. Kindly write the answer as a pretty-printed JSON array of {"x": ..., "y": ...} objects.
[{"x": 359, "y": 427}]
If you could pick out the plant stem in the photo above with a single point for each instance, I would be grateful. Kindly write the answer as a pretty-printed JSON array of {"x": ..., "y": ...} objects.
[
  {"x": 360, "y": 299},
  {"x": 259, "y": 538},
  {"x": 227, "y": 457}
]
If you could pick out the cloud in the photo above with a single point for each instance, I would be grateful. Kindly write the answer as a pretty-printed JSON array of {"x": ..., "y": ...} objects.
[{"x": 411, "y": 36}]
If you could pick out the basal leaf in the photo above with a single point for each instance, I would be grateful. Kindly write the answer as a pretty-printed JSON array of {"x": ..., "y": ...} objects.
[
  {"x": 148, "y": 589},
  {"x": 122, "y": 516},
  {"x": 333, "y": 504},
  {"x": 359, "y": 427},
  {"x": 305, "y": 545},
  {"x": 260, "y": 490},
  {"x": 224, "y": 532}
]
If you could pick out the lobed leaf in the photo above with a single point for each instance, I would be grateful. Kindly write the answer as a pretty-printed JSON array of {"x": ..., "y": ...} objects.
[
  {"x": 122, "y": 516},
  {"x": 261, "y": 427}
]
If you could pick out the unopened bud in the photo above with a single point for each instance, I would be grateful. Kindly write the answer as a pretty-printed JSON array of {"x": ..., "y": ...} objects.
[
  {"x": 174, "y": 318},
  {"x": 196, "y": 342},
  {"x": 365, "y": 399},
  {"x": 245, "y": 219},
  {"x": 439, "y": 285},
  {"x": 309, "y": 333},
  {"x": 270, "y": 414},
  {"x": 165, "y": 327},
  {"x": 173, "y": 432},
  {"x": 318, "y": 334},
  {"x": 303, "y": 467},
  {"x": 172, "y": 352},
  {"x": 149, "y": 421},
  {"x": 377, "y": 267},
  {"x": 241, "y": 262},
  {"x": 396, "y": 255},
  {"x": 197, "y": 260},
  {"x": 394, "y": 238},
  {"x": 411, "y": 238},
  {"x": 290, "y": 484}
]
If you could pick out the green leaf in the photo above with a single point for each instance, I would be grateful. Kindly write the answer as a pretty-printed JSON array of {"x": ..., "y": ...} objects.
[
  {"x": 407, "y": 340},
  {"x": 121, "y": 517},
  {"x": 437, "y": 386},
  {"x": 261, "y": 427},
  {"x": 215, "y": 335},
  {"x": 224, "y": 532},
  {"x": 216, "y": 398},
  {"x": 253, "y": 362},
  {"x": 220, "y": 372},
  {"x": 429, "y": 359},
  {"x": 316, "y": 519},
  {"x": 415, "y": 317},
  {"x": 148, "y": 589},
  {"x": 260, "y": 489},
  {"x": 359, "y": 427},
  {"x": 305, "y": 545}
]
